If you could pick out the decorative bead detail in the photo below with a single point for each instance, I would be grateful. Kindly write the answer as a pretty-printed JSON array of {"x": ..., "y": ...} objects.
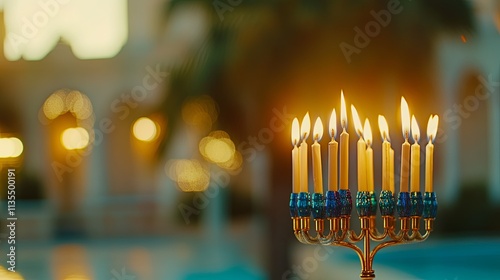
[
  {"x": 345, "y": 202},
  {"x": 304, "y": 204},
  {"x": 318, "y": 206},
  {"x": 404, "y": 204},
  {"x": 430, "y": 205},
  {"x": 387, "y": 203},
  {"x": 417, "y": 204},
  {"x": 332, "y": 204},
  {"x": 294, "y": 211},
  {"x": 366, "y": 203}
]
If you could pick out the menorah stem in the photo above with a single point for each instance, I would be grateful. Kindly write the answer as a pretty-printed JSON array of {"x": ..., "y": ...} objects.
[{"x": 367, "y": 271}]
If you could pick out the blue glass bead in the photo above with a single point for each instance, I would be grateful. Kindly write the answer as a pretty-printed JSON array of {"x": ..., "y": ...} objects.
[
  {"x": 304, "y": 204},
  {"x": 404, "y": 205},
  {"x": 387, "y": 203},
  {"x": 318, "y": 206},
  {"x": 366, "y": 204},
  {"x": 430, "y": 205},
  {"x": 417, "y": 204},
  {"x": 332, "y": 204},
  {"x": 345, "y": 202},
  {"x": 294, "y": 211}
]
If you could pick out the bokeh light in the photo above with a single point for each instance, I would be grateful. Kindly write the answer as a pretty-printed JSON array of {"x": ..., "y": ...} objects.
[
  {"x": 201, "y": 112},
  {"x": 190, "y": 175},
  {"x": 9, "y": 275},
  {"x": 145, "y": 129},
  {"x": 75, "y": 138},
  {"x": 218, "y": 148},
  {"x": 75, "y": 102},
  {"x": 10, "y": 147},
  {"x": 54, "y": 106}
]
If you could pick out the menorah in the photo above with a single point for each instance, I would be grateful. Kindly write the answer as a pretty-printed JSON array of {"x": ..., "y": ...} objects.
[{"x": 335, "y": 206}]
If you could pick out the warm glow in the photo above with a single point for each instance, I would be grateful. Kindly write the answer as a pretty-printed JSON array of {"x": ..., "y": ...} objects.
[
  {"x": 432, "y": 126},
  {"x": 75, "y": 138},
  {"x": 367, "y": 133},
  {"x": 9, "y": 275},
  {"x": 384, "y": 128},
  {"x": 79, "y": 105},
  {"x": 200, "y": 112},
  {"x": 415, "y": 131},
  {"x": 33, "y": 30},
  {"x": 343, "y": 111},
  {"x": 145, "y": 129},
  {"x": 405, "y": 118},
  {"x": 295, "y": 132},
  {"x": 191, "y": 175},
  {"x": 76, "y": 277},
  {"x": 332, "y": 127},
  {"x": 219, "y": 150},
  {"x": 10, "y": 147},
  {"x": 357, "y": 122},
  {"x": 318, "y": 130},
  {"x": 305, "y": 127},
  {"x": 54, "y": 105},
  {"x": 60, "y": 102}
]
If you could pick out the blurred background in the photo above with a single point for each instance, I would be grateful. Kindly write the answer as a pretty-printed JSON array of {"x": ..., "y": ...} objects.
[{"x": 151, "y": 139}]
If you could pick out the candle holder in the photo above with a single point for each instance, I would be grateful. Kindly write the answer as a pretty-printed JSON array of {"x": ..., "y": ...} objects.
[{"x": 336, "y": 208}]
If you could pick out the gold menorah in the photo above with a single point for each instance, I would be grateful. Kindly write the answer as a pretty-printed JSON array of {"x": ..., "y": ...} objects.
[{"x": 336, "y": 208}]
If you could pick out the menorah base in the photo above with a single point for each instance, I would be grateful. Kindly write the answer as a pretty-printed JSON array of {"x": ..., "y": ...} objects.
[{"x": 367, "y": 275}]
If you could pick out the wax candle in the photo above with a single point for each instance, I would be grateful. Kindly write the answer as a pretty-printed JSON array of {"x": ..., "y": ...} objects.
[
  {"x": 360, "y": 151},
  {"x": 405, "y": 147},
  {"x": 367, "y": 133},
  {"x": 344, "y": 146},
  {"x": 305, "y": 128},
  {"x": 386, "y": 147},
  {"x": 391, "y": 170},
  {"x": 316, "y": 151},
  {"x": 432, "y": 126},
  {"x": 333, "y": 148},
  {"x": 295, "y": 156},
  {"x": 415, "y": 157}
]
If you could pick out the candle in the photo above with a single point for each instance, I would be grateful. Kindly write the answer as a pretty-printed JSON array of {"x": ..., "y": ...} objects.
[
  {"x": 367, "y": 133},
  {"x": 316, "y": 151},
  {"x": 333, "y": 148},
  {"x": 295, "y": 156},
  {"x": 305, "y": 128},
  {"x": 391, "y": 170},
  {"x": 415, "y": 157},
  {"x": 386, "y": 147},
  {"x": 344, "y": 146},
  {"x": 405, "y": 148},
  {"x": 361, "y": 150},
  {"x": 432, "y": 126}
]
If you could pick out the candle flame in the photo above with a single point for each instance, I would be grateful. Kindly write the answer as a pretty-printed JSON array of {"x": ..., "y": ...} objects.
[
  {"x": 432, "y": 127},
  {"x": 333, "y": 125},
  {"x": 383, "y": 127},
  {"x": 405, "y": 118},
  {"x": 367, "y": 133},
  {"x": 318, "y": 130},
  {"x": 357, "y": 123},
  {"x": 415, "y": 131},
  {"x": 295, "y": 132},
  {"x": 305, "y": 127},
  {"x": 343, "y": 111}
]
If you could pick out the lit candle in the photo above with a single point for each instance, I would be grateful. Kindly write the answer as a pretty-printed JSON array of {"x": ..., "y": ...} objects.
[
  {"x": 367, "y": 133},
  {"x": 432, "y": 126},
  {"x": 391, "y": 170},
  {"x": 316, "y": 151},
  {"x": 344, "y": 146},
  {"x": 333, "y": 149},
  {"x": 361, "y": 150},
  {"x": 415, "y": 157},
  {"x": 386, "y": 147},
  {"x": 295, "y": 156},
  {"x": 305, "y": 128},
  {"x": 405, "y": 148}
]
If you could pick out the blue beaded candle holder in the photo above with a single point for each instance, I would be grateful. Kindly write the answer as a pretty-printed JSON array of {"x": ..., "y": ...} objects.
[
  {"x": 416, "y": 204},
  {"x": 304, "y": 204},
  {"x": 430, "y": 205},
  {"x": 404, "y": 204},
  {"x": 366, "y": 203},
  {"x": 294, "y": 210},
  {"x": 345, "y": 202},
  {"x": 332, "y": 204},
  {"x": 318, "y": 206},
  {"x": 387, "y": 203}
]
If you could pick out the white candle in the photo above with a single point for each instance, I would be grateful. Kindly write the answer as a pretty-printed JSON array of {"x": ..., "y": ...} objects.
[
  {"x": 361, "y": 151},
  {"x": 415, "y": 157},
  {"x": 367, "y": 133},
  {"x": 333, "y": 149},
  {"x": 316, "y": 151},
  {"x": 405, "y": 148},
  {"x": 344, "y": 146},
  {"x": 304, "y": 133},
  {"x": 432, "y": 126},
  {"x": 386, "y": 147},
  {"x": 295, "y": 156}
]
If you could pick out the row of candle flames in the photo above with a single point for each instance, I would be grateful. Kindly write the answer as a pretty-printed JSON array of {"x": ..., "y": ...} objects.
[{"x": 364, "y": 153}]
